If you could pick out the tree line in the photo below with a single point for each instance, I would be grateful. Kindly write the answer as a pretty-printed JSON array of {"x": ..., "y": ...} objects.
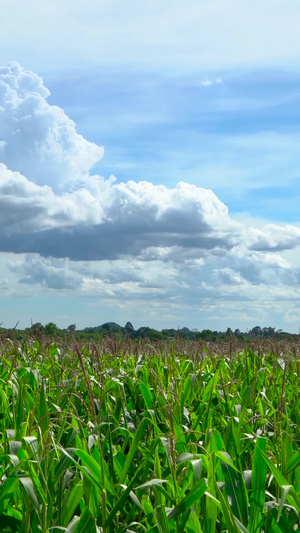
[{"x": 128, "y": 331}]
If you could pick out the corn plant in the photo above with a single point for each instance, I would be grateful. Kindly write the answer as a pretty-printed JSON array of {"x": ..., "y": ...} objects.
[{"x": 157, "y": 440}]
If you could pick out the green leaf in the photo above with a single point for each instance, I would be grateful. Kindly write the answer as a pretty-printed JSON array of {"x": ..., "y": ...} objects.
[
  {"x": 133, "y": 497},
  {"x": 193, "y": 496},
  {"x": 122, "y": 499},
  {"x": 134, "y": 445},
  {"x": 9, "y": 487},
  {"x": 227, "y": 513},
  {"x": 211, "y": 511},
  {"x": 293, "y": 462},
  {"x": 241, "y": 526},
  {"x": 284, "y": 492},
  {"x": 197, "y": 468},
  {"x": 44, "y": 417},
  {"x": 29, "y": 488},
  {"x": 71, "y": 502},
  {"x": 71, "y": 526},
  {"x": 166, "y": 446},
  {"x": 151, "y": 483},
  {"x": 233, "y": 487},
  {"x": 146, "y": 393},
  {"x": 292, "y": 495},
  {"x": 225, "y": 458},
  {"x": 31, "y": 444},
  {"x": 281, "y": 526},
  {"x": 161, "y": 519},
  {"x": 257, "y": 499},
  {"x": 183, "y": 457},
  {"x": 87, "y": 523},
  {"x": 83, "y": 469}
]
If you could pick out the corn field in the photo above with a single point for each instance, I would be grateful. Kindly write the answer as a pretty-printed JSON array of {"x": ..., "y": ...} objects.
[{"x": 155, "y": 440}]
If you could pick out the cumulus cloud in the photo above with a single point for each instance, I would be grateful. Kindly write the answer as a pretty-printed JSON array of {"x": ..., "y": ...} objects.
[
  {"x": 38, "y": 139},
  {"x": 227, "y": 276},
  {"x": 120, "y": 278},
  {"x": 104, "y": 220},
  {"x": 243, "y": 264},
  {"x": 274, "y": 237},
  {"x": 26, "y": 206},
  {"x": 118, "y": 240},
  {"x": 53, "y": 274}
]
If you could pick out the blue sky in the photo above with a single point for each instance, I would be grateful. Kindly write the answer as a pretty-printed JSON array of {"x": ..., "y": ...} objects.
[
  {"x": 241, "y": 128},
  {"x": 189, "y": 214}
]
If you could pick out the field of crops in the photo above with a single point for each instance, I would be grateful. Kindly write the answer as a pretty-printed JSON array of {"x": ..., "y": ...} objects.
[{"x": 140, "y": 438}]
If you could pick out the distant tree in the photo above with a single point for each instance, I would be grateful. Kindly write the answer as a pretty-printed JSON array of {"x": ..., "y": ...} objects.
[
  {"x": 144, "y": 332},
  {"x": 37, "y": 329},
  {"x": 255, "y": 331},
  {"x": 207, "y": 335},
  {"x": 215, "y": 335},
  {"x": 71, "y": 328},
  {"x": 156, "y": 335},
  {"x": 268, "y": 332},
  {"x": 51, "y": 329},
  {"x": 169, "y": 333}
]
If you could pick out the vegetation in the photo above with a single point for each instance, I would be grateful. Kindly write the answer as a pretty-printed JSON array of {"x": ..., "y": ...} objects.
[
  {"x": 118, "y": 437},
  {"x": 112, "y": 329}
]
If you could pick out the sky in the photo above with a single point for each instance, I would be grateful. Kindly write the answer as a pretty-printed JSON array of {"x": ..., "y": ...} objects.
[{"x": 149, "y": 163}]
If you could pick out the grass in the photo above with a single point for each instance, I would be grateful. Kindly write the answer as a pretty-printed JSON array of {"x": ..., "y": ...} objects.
[{"x": 136, "y": 438}]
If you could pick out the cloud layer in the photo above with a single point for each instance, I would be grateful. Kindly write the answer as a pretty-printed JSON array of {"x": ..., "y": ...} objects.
[
  {"x": 161, "y": 33},
  {"x": 75, "y": 231}
]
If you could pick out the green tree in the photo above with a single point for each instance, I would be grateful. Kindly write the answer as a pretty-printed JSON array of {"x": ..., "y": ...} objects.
[{"x": 51, "y": 329}]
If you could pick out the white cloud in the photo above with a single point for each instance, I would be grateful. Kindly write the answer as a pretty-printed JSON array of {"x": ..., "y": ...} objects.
[
  {"x": 49, "y": 150},
  {"x": 129, "y": 242},
  {"x": 207, "y": 82},
  {"x": 49, "y": 273},
  {"x": 227, "y": 276},
  {"x": 27, "y": 207},
  {"x": 274, "y": 237},
  {"x": 104, "y": 220},
  {"x": 196, "y": 35}
]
